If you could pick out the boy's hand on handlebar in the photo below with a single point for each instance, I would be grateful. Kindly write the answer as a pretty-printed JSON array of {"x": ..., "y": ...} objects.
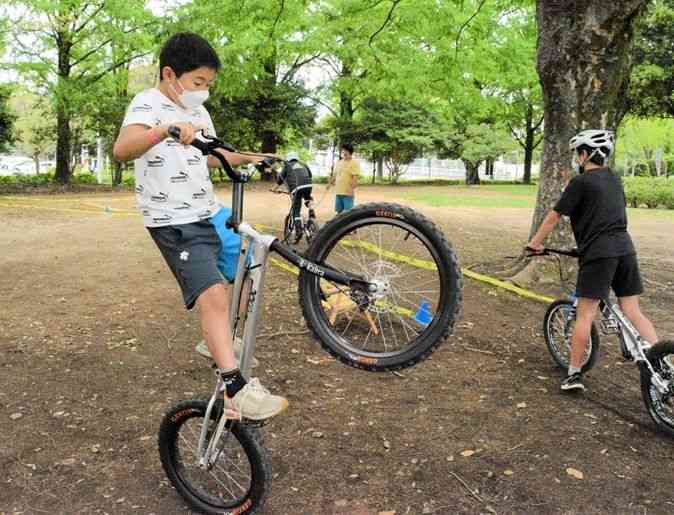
[
  {"x": 534, "y": 249},
  {"x": 187, "y": 132}
]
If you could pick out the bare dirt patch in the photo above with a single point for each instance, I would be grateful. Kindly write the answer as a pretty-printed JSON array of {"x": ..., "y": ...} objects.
[{"x": 96, "y": 345}]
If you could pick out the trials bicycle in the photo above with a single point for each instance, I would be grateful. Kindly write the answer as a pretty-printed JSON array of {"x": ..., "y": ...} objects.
[
  {"x": 656, "y": 362},
  {"x": 294, "y": 229},
  {"x": 386, "y": 269}
]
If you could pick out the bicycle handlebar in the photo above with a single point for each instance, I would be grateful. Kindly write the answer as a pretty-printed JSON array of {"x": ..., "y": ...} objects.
[
  {"x": 210, "y": 146},
  {"x": 547, "y": 251}
]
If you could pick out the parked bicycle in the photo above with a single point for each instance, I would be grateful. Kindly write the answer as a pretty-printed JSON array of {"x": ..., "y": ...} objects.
[
  {"x": 656, "y": 362},
  {"x": 380, "y": 288},
  {"x": 306, "y": 226}
]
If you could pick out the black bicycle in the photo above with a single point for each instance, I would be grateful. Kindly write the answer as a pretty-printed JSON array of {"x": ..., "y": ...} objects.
[
  {"x": 380, "y": 288},
  {"x": 656, "y": 362},
  {"x": 304, "y": 226}
]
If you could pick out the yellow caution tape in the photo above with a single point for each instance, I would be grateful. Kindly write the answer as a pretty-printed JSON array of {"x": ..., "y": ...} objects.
[
  {"x": 15, "y": 202},
  {"x": 430, "y": 265}
]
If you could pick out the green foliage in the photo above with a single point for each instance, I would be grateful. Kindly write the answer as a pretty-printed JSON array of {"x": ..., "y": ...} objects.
[
  {"x": 650, "y": 191},
  {"x": 70, "y": 49},
  {"x": 7, "y": 118},
  {"x": 35, "y": 127},
  {"x": 651, "y": 90},
  {"x": 638, "y": 142}
]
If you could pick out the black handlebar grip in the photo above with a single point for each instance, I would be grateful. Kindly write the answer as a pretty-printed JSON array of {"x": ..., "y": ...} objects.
[{"x": 174, "y": 132}]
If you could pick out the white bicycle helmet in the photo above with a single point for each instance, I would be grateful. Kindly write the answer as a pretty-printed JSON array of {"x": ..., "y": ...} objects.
[
  {"x": 596, "y": 139},
  {"x": 292, "y": 155}
]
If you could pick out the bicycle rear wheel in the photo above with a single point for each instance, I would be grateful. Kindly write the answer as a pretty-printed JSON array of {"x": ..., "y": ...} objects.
[
  {"x": 660, "y": 406},
  {"x": 418, "y": 297},
  {"x": 240, "y": 479},
  {"x": 558, "y": 324}
]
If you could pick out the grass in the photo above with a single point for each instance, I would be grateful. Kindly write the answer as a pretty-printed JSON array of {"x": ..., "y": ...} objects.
[
  {"x": 487, "y": 196},
  {"x": 499, "y": 196}
]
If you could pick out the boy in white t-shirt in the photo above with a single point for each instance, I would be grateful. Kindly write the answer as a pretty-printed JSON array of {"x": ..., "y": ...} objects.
[{"x": 179, "y": 207}]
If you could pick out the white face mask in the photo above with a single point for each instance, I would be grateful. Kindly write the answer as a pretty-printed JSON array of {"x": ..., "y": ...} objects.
[{"x": 191, "y": 99}]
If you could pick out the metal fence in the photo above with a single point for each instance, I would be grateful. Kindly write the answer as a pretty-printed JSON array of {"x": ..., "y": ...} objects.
[{"x": 427, "y": 169}]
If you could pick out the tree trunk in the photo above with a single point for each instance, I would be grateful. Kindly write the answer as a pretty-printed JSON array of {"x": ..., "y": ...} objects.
[
  {"x": 36, "y": 160},
  {"x": 472, "y": 172},
  {"x": 528, "y": 145},
  {"x": 583, "y": 66},
  {"x": 64, "y": 47},
  {"x": 63, "y": 170},
  {"x": 380, "y": 168},
  {"x": 117, "y": 174}
]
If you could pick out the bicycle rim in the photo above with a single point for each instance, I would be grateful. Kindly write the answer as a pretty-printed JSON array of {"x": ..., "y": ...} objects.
[
  {"x": 399, "y": 258},
  {"x": 661, "y": 406},
  {"x": 228, "y": 482},
  {"x": 559, "y": 329}
]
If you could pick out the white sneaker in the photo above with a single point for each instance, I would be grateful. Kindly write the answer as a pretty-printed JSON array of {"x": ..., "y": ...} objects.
[
  {"x": 202, "y": 349},
  {"x": 255, "y": 402}
]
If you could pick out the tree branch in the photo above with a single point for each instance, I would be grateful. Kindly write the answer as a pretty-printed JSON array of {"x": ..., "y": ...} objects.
[
  {"x": 297, "y": 65},
  {"x": 278, "y": 17},
  {"x": 112, "y": 68},
  {"x": 465, "y": 24},
  {"x": 536, "y": 143},
  {"x": 91, "y": 17},
  {"x": 512, "y": 131},
  {"x": 394, "y": 4},
  {"x": 535, "y": 127},
  {"x": 327, "y": 106}
]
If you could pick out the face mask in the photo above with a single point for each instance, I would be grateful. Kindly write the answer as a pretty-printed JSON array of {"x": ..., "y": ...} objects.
[{"x": 191, "y": 99}]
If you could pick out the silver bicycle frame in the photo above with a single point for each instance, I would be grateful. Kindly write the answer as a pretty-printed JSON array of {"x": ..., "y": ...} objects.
[{"x": 253, "y": 260}]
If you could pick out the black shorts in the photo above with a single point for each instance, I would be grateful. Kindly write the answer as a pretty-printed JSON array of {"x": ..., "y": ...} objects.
[
  {"x": 597, "y": 277},
  {"x": 199, "y": 254}
]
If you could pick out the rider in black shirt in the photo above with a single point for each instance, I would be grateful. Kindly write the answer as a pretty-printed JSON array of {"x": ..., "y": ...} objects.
[
  {"x": 296, "y": 174},
  {"x": 594, "y": 200}
]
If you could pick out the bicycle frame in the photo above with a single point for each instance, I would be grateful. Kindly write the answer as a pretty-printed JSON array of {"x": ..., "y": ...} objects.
[
  {"x": 636, "y": 345},
  {"x": 252, "y": 266}
]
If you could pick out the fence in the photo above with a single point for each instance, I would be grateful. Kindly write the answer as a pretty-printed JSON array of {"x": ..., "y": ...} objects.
[{"x": 427, "y": 169}]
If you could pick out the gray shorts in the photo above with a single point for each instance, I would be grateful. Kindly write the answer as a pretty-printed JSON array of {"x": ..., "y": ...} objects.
[{"x": 199, "y": 254}]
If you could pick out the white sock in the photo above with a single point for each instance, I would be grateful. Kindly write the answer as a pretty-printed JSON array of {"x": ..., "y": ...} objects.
[{"x": 574, "y": 370}]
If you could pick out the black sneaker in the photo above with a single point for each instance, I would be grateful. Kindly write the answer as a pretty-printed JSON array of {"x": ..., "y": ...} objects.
[{"x": 573, "y": 382}]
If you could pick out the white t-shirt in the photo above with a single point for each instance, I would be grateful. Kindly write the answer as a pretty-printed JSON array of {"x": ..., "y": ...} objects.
[{"x": 173, "y": 186}]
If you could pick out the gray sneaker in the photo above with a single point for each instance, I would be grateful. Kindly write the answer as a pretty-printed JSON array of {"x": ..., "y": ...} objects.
[
  {"x": 202, "y": 349},
  {"x": 254, "y": 402}
]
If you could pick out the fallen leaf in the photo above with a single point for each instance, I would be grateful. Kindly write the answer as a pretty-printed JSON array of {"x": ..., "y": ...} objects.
[
  {"x": 467, "y": 453},
  {"x": 576, "y": 474},
  {"x": 522, "y": 405},
  {"x": 508, "y": 472},
  {"x": 16, "y": 416}
]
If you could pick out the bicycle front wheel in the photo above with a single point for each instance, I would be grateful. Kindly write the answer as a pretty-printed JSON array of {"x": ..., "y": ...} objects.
[
  {"x": 418, "y": 297},
  {"x": 558, "y": 324},
  {"x": 239, "y": 480},
  {"x": 660, "y": 405}
]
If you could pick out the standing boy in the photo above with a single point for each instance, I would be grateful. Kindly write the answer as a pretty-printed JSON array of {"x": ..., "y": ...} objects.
[
  {"x": 594, "y": 200},
  {"x": 180, "y": 209},
  {"x": 345, "y": 177}
]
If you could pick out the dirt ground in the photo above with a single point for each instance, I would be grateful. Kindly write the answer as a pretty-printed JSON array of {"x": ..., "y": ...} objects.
[{"x": 96, "y": 345}]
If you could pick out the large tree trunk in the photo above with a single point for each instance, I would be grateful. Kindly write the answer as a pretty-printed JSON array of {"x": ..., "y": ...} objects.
[
  {"x": 62, "y": 144},
  {"x": 528, "y": 145},
  {"x": 472, "y": 172},
  {"x": 583, "y": 66}
]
